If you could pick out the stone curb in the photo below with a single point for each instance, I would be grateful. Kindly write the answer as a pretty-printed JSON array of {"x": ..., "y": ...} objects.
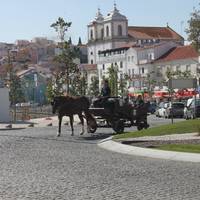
[{"x": 152, "y": 153}]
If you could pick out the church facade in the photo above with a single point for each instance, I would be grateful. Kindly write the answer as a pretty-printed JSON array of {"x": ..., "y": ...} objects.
[{"x": 133, "y": 50}]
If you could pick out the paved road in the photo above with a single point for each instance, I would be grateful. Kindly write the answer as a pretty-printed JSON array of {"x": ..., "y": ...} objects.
[{"x": 34, "y": 164}]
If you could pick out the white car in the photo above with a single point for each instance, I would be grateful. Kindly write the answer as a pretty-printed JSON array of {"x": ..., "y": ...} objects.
[{"x": 161, "y": 111}]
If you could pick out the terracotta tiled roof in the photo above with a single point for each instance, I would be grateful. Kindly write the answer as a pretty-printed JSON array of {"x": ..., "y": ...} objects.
[
  {"x": 177, "y": 53},
  {"x": 140, "y": 32}
]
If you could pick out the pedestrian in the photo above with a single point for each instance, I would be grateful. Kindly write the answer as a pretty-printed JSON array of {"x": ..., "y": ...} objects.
[
  {"x": 105, "y": 91},
  {"x": 139, "y": 101}
]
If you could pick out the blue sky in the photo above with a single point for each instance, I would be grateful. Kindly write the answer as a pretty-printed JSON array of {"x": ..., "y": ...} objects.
[{"x": 25, "y": 19}]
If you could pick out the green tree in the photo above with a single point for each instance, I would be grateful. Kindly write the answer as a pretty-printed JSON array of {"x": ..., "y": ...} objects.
[
  {"x": 150, "y": 82},
  {"x": 193, "y": 30},
  {"x": 13, "y": 82},
  {"x": 66, "y": 67},
  {"x": 78, "y": 84},
  {"x": 61, "y": 27},
  {"x": 49, "y": 91},
  {"x": 94, "y": 86},
  {"x": 178, "y": 74},
  {"x": 123, "y": 85},
  {"x": 79, "y": 41},
  {"x": 70, "y": 41},
  {"x": 16, "y": 91},
  {"x": 113, "y": 80}
]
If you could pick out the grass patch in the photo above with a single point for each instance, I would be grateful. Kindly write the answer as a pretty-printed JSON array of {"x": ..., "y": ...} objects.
[
  {"x": 187, "y": 126},
  {"x": 191, "y": 148}
]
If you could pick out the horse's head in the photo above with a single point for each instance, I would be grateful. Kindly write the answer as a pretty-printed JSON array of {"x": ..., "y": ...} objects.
[{"x": 55, "y": 104}]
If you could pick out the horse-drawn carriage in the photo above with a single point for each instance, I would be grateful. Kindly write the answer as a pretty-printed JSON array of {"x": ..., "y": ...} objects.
[
  {"x": 117, "y": 113},
  {"x": 105, "y": 112}
]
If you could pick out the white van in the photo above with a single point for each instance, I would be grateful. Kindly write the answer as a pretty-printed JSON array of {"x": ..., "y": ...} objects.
[{"x": 189, "y": 102}]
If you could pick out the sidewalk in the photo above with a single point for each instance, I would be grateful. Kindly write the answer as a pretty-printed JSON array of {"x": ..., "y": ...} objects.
[{"x": 38, "y": 122}]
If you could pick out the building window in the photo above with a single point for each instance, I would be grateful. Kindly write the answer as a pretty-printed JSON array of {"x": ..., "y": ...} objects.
[
  {"x": 151, "y": 56},
  {"x": 142, "y": 70},
  {"x": 121, "y": 64},
  {"x": 103, "y": 67},
  {"x": 178, "y": 68},
  {"x": 129, "y": 72},
  {"x": 107, "y": 31},
  {"x": 102, "y": 33},
  {"x": 91, "y": 53},
  {"x": 187, "y": 67},
  {"x": 133, "y": 72},
  {"x": 119, "y": 30},
  {"x": 91, "y": 62},
  {"x": 128, "y": 58},
  {"x": 132, "y": 58},
  {"x": 91, "y": 34}
]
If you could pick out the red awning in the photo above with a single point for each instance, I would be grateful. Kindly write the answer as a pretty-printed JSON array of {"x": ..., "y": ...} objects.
[
  {"x": 161, "y": 94},
  {"x": 185, "y": 93}
]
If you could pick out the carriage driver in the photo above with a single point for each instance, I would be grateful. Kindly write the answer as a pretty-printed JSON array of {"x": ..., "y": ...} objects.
[
  {"x": 105, "y": 91},
  {"x": 139, "y": 101}
]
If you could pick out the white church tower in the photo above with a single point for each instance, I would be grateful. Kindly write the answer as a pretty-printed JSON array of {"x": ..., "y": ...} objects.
[{"x": 106, "y": 33}]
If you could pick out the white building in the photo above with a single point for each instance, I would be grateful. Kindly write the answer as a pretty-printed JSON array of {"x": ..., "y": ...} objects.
[
  {"x": 182, "y": 59},
  {"x": 131, "y": 49}
]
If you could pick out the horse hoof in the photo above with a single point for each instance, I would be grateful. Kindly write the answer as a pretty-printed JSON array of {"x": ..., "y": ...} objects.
[
  {"x": 81, "y": 133},
  {"x": 58, "y": 134},
  {"x": 72, "y": 134}
]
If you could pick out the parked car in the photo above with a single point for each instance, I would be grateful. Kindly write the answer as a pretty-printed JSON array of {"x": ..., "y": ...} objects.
[
  {"x": 152, "y": 107},
  {"x": 192, "y": 110},
  {"x": 161, "y": 110},
  {"x": 175, "y": 109}
]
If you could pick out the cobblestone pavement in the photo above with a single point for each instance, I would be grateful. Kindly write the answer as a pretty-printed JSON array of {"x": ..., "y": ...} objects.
[{"x": 35, "y": 165}]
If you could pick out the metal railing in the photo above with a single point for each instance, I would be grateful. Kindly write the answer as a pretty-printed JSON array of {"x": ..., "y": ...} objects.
[{"x": 29, "y": 112}]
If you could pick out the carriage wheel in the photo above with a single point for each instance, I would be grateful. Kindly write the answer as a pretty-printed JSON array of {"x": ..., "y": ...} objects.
[
  {"x": 142, "y": 125},
  {"x": 91, "y": 129},
  {"x": 139, "y": 127},
  {"x": 92, "y": 126},
  {"x": 118, "y": 126}
]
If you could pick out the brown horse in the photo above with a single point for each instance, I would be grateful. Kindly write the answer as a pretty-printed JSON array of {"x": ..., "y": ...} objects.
[{"x": 69, "y": 106}]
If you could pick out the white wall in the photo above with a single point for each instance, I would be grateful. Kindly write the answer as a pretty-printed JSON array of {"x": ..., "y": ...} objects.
[
  {"x": 4, "y": 105},
  {"x": 99, "y": 27}
]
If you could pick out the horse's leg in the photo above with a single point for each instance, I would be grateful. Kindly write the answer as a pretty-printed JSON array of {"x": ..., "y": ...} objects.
[
  {"x": 59, "y": 125},
  {"x": 71, "y": 124},
  {"x": 82, "y": 123}
]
